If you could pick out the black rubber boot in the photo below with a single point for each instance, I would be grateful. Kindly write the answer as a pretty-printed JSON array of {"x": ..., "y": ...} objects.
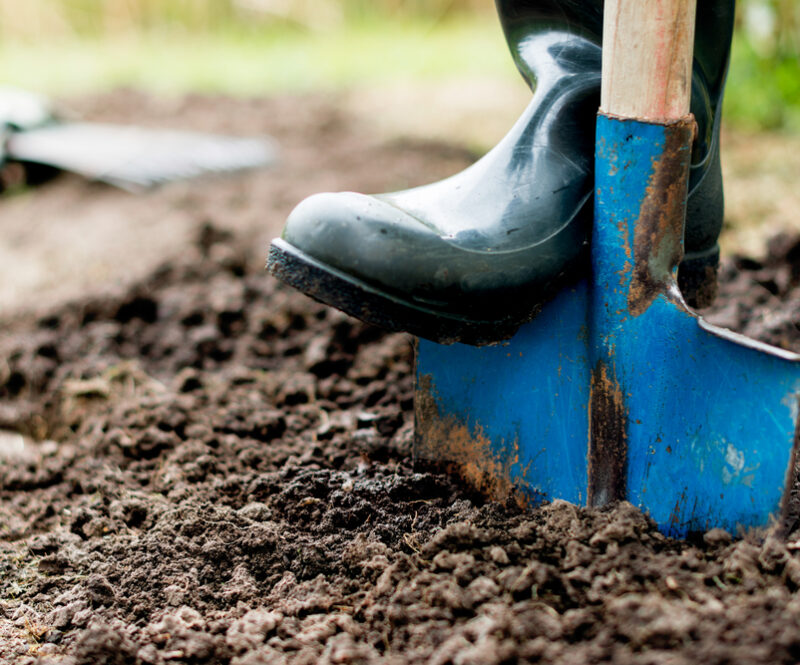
[
  {"x": 473, "y": 257},
  {"x": 697, "y": 275}
]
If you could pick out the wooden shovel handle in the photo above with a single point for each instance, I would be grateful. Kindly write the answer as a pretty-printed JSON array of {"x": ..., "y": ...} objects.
[{"x": 647, "y": 58}]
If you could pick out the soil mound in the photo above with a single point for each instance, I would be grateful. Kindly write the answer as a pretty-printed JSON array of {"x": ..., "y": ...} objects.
[{"x": 217, "y": 470}]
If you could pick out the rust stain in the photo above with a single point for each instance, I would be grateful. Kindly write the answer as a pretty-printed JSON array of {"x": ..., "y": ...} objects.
[
  {"x": 790, "y": 503},
  {"x": 677, "y": 511},
  {"x": 658, "y": 238},
  {"x": 470, "y": 453},
  {"x": 622, "y": 227},
  {"x": 608, "y": 444},
  {"x": 623, "y": 275}
]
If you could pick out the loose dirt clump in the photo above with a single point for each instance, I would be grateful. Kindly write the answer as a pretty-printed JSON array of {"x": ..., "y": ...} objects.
[
  {"x": 205, "y": 467},
  {"x": 760, "y": 297}
]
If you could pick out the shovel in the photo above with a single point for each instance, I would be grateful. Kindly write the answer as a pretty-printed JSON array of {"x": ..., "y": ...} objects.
[
  {"x": 617, "y": 390},
  {"x": 129, "y": 157}
]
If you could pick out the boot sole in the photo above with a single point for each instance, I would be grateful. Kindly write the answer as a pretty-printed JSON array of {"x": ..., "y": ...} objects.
[
  {"x": 363, "y": 301},
  {"x": 697, "y": 277}
]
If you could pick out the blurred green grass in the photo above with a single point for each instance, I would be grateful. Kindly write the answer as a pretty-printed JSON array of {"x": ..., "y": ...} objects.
[
  {"x": 252, "y": 63},
  {"x": 253, "y": 47}
]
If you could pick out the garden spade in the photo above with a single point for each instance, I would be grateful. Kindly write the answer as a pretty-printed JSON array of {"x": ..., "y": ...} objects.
[
  {"x": 617, "y": 390},
  {"x": 129, "y": 157}
]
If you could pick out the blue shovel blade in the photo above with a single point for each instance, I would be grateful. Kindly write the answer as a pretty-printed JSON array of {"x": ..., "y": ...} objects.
[
  {"x": 710, "y": 416},
  {"x": 712, "y": 421},
  {"x": 512, "y": 415}
]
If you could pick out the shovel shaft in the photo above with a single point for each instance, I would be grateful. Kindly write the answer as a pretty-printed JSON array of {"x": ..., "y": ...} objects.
[
  {"x": 647, "y": 58},
  {"x": 643, "y": 152}
]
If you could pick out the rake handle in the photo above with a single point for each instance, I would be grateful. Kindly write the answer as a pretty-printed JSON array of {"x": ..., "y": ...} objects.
[{"x": 647, "y": 59}]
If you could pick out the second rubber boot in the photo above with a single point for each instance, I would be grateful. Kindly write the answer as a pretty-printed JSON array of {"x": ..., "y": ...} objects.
[
  {"x": 697, "y": 275},
  {"x": 473, "y": 257}
]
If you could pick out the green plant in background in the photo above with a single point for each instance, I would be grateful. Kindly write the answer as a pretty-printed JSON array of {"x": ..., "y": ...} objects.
[
  {"x": 764, "y": 90},
  {"x": 265, "y": 46}
]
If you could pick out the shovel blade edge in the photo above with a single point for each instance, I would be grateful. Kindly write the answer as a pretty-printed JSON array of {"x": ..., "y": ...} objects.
[
  {"x": 712, "y": 421},
  {"x": 708, "y": 436}
]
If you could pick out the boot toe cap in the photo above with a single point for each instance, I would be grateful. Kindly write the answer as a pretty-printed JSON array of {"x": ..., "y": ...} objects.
[
  {"x": 364, "y": 237},
  {"x": 370, "y": 239}
]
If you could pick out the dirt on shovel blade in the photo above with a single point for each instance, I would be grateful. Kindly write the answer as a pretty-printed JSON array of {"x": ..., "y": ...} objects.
[{"x": 203, "y": 466}]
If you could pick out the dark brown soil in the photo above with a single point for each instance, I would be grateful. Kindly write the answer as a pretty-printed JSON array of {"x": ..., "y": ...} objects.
[{"x": 218, "y": 471}]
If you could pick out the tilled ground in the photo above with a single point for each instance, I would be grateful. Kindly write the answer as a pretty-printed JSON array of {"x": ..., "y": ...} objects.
[{"x": 221, "y": 474}]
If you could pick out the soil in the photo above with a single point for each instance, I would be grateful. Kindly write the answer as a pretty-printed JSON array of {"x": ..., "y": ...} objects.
[{"x": 198, "y": 465}]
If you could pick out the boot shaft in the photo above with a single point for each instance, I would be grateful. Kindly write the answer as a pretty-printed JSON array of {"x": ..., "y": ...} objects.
[{"x": 525, "y": 20}]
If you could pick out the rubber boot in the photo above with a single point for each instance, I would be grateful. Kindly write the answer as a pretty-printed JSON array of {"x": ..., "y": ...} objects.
[
  {"x": 697, "y": 275},
  {"x": 473, "y": 257}
]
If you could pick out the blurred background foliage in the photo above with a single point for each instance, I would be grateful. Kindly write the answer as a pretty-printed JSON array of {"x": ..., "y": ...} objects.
[
  {"x": 263, "y": 46},
  {"x": 765, "y": 68}
]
